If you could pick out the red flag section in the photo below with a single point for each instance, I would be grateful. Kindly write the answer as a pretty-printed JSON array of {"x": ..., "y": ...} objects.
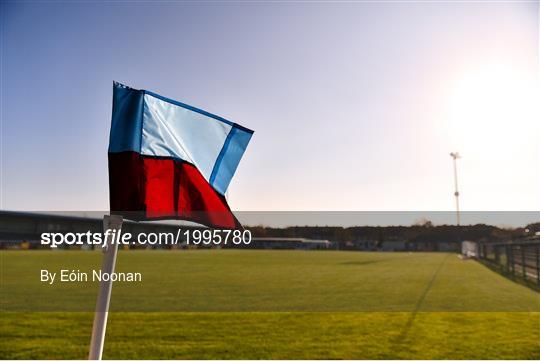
[{"x": 145, "y": 187}]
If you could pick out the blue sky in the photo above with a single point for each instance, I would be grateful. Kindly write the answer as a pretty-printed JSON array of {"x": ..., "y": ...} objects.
[{"x": 356, "y": 106}]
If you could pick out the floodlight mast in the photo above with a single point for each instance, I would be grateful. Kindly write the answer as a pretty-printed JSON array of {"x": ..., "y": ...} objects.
[{"x": 455, "y": 156}]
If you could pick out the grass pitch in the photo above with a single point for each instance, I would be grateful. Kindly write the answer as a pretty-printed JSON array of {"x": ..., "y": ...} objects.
[{"x": 271, "y": 304}]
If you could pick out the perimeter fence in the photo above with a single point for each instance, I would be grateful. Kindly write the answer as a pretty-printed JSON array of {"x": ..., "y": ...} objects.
[{"x": 519, "y": 259}]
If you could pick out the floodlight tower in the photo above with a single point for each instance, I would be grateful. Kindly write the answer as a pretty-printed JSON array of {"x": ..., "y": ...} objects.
[{"x": 455, "y": 156}]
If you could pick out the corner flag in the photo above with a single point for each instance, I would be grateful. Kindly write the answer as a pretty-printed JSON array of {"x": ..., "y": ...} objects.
[{"x": 169, "y": 160}]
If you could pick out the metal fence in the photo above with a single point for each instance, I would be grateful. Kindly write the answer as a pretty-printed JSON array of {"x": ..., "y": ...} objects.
[{"x": 520, "y": 259}]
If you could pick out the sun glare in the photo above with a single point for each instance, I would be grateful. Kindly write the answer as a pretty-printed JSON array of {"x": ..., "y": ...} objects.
[{"x": 493, "y": 108}]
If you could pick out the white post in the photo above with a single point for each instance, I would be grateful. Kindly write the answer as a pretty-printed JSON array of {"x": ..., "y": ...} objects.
[
  {"x": 456, "y": 194},
  {"x": 455, "y": 156},
  {"x": 112, "y": 222}
]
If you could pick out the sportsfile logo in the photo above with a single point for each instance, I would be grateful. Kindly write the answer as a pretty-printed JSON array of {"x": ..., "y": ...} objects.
[{"x": 207, "y": 237}]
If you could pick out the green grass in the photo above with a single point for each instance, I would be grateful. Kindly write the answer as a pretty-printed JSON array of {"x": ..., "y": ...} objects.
[{"x": 271, "y": 304}]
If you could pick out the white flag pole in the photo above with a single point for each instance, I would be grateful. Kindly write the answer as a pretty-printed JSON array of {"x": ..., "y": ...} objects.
[{"x": 112, "y": 222}]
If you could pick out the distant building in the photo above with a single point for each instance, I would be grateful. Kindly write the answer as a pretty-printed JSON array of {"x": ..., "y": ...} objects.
[
  {"x": 286, "y": 243},
  {"x": 394, "y": 245},
  {"x": 434, "y": 246},
  {"x": 367, "y": 245}
]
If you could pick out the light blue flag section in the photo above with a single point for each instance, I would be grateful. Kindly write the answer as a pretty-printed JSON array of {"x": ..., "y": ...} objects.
[
  {"x": 152, "y": 125},
  {"x": 229, "y": 158}
]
